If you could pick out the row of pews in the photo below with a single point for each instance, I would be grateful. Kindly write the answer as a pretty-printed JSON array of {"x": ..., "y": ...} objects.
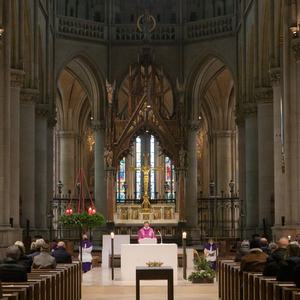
[
  {"x": 62, "y": 283},
  {"x": 252, "y": 286}
]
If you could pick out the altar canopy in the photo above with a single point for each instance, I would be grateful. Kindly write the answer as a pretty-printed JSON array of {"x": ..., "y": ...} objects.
[{"x": 145, "y": 154}]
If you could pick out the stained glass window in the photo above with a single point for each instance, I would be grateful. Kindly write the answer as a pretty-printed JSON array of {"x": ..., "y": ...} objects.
[
  {"x": 169, "y": 179},
  {"x": 138, "y": 164},
  {"x": 152, "y": 164},
  {"x": 121, "y": 179}
]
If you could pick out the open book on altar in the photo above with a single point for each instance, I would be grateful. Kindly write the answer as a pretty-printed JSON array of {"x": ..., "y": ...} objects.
[{"x": 148, "y": 241}]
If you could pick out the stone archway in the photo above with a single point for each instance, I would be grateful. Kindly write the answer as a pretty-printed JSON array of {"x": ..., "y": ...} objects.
[{"x": 79, "y": 136}]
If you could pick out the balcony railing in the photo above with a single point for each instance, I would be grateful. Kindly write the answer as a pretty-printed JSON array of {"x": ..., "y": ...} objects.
[
  {"x": 79, "y": 28},
  {"x": 85, "y": 29},
  {"x": 163, "y": 32},
  {"x": 209, "y": 28}
]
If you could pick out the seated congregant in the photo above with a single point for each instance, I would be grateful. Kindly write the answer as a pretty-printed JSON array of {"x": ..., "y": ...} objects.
[
  {"x": 242, "y": 250},
  {"x": 35, "y": 247},
  {"x": 288, "y": 265},
  {"x": 255, "y": 260},
  {"x": 61, "y": 255},
  {"x": 276, "y": 257},
  {"x": 24, "y": 260},
  {"x": 44, "y": 260},
  {"x": 146, "y": 232},
  {"x": 10, "y": 269}
]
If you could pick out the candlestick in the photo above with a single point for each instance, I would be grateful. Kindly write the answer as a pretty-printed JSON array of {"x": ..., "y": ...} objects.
[
  {"x": 112, "y": 235},
  {"x": 184, "y": 235}
]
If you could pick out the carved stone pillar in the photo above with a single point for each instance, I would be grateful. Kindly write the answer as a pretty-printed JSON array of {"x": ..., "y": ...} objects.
[
  {"x": 251, "y": 168},
  {"x": 223, "y": 142},
  {"x": 100, "y": 195},
  {"x": 15, "y": 87},
  {"x": 264, "y": 99},
  {"x": 279, "y": 169},
  {"x": 27, "y": 156},
  {"x": 67, "y": 143},
  {"x": 180, "y": 193},
  {"x": 41, "y": 164},
  {"x": 191, "y": 199}
]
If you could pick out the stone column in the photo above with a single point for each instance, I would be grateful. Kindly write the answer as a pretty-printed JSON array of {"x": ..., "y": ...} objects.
[
  {"x": 264, "y": 97},
  {"x": 223, "y": 142},
  {"x": 67, "y": 143},
  {"x": 242, "y": 168},
  {"x": 5, "y": 44},
  {"x": 27, "y": 156},
  {"x": 180, "y": 193},
  {"x": 100, "y": 194},
  {"x": 16, "y": 83},
  {"x": 191, "y": 200},
  {"x": 279, "y": 180},
  {"x": 41, "y": 164},
  {"x": 251, "y": 169},
  {"x": 110, "y": 193}
]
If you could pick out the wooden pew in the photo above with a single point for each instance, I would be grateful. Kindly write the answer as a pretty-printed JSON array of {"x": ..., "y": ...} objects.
[
  {"x": 296, "y": 296},
  {"x": 254, "y": 285},
  {"x": 62, "y": 283},
  {"x": 287, "y": 292}
]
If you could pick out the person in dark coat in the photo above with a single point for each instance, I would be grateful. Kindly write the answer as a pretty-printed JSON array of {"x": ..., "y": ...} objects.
[
  {"x": 274, "y": 260},
  {"x": 61, "y": 255},
  {"x": 287, "y": 266},
  {"x": 24, "y": 260},
  {"x": 10, "y": 269},
  {"x": 255, "y": 260}
]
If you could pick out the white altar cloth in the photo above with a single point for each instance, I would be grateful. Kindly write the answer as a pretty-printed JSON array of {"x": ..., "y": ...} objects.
[
  {"x": 106, "y": 246},
  {"x": 134, "y": 255}
]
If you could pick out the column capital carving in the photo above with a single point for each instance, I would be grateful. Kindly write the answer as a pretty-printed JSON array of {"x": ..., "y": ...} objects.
[
  {"x": 98, "y": 125},
  {"x": 16, "y": 78},
  {"x": 263, "y": 95},
  {"x": 275, "y": 75},
  {"x": 249, "y": 108},
  {"x": 42, "y": 110},
  {"x": 296, "y": 48},
  {"x": 194, "y": 125},
  {"x": 29, "y": 95}
]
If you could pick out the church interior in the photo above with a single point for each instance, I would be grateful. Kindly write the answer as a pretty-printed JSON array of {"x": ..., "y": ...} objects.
[{"x": 180, "y": 115}]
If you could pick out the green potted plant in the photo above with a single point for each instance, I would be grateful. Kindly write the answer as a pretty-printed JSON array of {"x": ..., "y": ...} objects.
[{"x": 203, "y": 272}]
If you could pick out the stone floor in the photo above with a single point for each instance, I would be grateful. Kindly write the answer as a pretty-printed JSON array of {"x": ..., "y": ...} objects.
[{"x": 97, "y": 285}]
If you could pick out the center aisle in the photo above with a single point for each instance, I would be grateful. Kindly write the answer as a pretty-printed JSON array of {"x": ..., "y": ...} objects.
[{"x": 98, "y": 286}]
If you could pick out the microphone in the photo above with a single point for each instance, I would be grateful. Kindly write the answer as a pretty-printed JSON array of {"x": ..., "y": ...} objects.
[{"x": 161, "y": 241}]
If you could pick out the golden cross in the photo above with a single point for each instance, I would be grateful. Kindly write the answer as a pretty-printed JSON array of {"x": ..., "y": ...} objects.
[{"x": 145, "y": 169}]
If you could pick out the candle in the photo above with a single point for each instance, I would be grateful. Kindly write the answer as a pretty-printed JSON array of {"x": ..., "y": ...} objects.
[
  {"x": 112, "y": 235},
  {"x": 289, "y": 237},
  {"x": 184, "y": 235}
]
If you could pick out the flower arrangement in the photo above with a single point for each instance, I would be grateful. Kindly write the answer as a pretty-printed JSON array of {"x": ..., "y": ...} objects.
[
  {"x": 203, "y": 272},
  {"x": 154, "y": 264}
]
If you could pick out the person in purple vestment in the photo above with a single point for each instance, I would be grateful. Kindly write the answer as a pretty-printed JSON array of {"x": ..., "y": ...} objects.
[
  {"x": 146, "y": 232},
  {"x": 211, "y": 253},
  {"x": 87, "y": 258}
]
